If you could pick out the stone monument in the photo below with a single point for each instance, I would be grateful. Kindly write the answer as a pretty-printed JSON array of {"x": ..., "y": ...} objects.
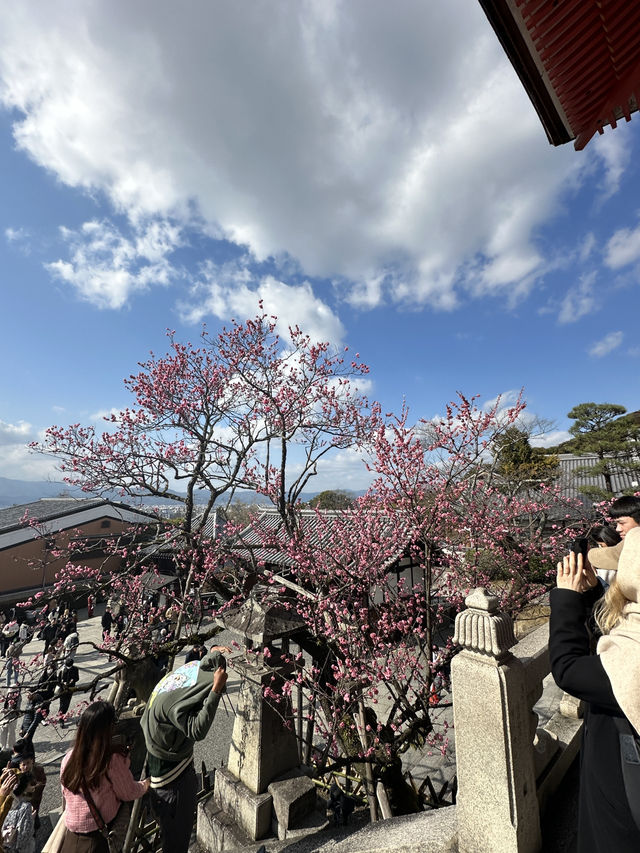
[{"x": 263, "y": 788}]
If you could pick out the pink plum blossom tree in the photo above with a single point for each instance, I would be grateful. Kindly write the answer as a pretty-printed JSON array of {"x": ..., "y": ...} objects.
[{"x": 373, "y": 585}]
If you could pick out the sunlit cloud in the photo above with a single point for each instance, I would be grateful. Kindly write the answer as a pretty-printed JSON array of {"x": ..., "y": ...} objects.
[
  {"x": 607, "y": 344},
  {"x": 349, "y": 170}
]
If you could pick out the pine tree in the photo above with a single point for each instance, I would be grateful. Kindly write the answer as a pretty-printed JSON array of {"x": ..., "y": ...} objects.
[{"x": 601, "y": 430}]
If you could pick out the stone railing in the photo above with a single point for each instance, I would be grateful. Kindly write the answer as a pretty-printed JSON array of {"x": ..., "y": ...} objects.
[{"x": 507, "y": 766}]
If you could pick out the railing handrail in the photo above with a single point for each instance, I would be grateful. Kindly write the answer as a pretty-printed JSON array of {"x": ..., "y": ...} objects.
[{"x": 507, "y": 766}]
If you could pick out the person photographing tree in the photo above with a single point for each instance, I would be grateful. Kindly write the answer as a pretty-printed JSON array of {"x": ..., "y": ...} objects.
[
  {"x": 609, "y": 805},
  {"x": 180, "y": 711}
]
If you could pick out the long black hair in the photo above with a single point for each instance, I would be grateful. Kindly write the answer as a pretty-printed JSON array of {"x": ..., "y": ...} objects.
[
  {"x": 92, "y": 749},
  {"x": 604, "y": 533}
]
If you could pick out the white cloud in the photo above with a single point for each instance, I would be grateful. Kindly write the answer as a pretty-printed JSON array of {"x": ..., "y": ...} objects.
[
  {"x": 229, "y": 290},
  {"x": 16, "y": 460},
  {"x": 615, "y": 156},
  {"x": 388, "y": 146},
  {"x": 579, "y": 300},
  {"x": 106, "y": 267},
  {"x": 623, "y": 248},
  {"x": 505, "y": 400},
  {"x": 587, "y": 247},
  {"x": 537, "y": 428},
  {"x": 102, "y": 415},
  {"x": 607, "y": 344},
  {"x": 502, "y": 403},
  {"x": 344, "y": 469},
  {"x": 551, "y": 439},
  {"x": 19, "y": 239},
  {"x": 12, "y": 433},
  {"x": 15, "y": 235}
]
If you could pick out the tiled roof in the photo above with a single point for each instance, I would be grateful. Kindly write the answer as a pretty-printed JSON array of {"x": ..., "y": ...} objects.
[
  {"x": 314, "y": 524},
  {"x": 571, "y": 480},
  {"x": 214, "y": 524},
  {"x": 49, "y": 509},
  {"x": 44, "y": 510}
]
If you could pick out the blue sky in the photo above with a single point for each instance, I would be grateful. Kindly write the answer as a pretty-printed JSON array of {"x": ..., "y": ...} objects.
[{"x": 373, "y": 172}]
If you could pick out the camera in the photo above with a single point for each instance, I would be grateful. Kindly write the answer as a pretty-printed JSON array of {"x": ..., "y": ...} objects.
[{"x": 580, "y": 546}]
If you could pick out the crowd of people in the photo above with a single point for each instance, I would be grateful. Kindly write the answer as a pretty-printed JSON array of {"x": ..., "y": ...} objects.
[
  {"x": 29, "y": 691},
  {"x": 32, "y": 692},
  {"x": 96, "y": 782}
]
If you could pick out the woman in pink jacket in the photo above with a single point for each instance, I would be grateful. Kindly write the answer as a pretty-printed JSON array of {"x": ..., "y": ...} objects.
[{"x": 96, "y": 781}]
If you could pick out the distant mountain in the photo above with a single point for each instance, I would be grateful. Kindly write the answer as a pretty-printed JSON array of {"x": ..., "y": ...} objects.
[{"x": 15, "y": 492}]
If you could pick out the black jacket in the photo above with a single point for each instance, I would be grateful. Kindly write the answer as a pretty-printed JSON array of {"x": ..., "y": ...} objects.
[
  {"x": 605, "y": 823},
  {"x": 47, "y": 684},
  {"x": 68, "y": 677}
]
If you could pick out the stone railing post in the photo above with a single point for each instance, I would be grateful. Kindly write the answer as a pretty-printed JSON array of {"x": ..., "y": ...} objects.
[{"x": 497, "y": 806}]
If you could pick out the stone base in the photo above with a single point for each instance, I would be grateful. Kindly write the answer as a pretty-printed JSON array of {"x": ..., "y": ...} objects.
[
  {"x": 293, "y": 800},
  {"x": 216, "y": 831},
  {"x": 435, "y": 831},
  {"x": 312, "y": 824},
  {"x": 251, "y": 812}
]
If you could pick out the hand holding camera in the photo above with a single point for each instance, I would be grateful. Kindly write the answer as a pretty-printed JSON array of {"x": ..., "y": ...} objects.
[{"x": 575, "y": 571}]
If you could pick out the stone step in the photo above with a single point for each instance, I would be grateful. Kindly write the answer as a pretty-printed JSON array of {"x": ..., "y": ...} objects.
[{"x": 216, "y": 830}]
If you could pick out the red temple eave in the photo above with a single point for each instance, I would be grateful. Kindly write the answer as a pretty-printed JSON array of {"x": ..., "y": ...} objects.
[{"x": 578, "y": 60}]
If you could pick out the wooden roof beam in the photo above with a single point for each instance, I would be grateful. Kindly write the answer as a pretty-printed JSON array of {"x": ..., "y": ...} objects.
[{"x": 619, "y": 95}]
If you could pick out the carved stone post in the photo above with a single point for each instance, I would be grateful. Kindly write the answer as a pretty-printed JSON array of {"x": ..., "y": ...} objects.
[{"x": 497, "y": 806}]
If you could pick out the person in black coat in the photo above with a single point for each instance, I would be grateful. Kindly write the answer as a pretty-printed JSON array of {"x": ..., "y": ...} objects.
[
  {"x": 68, "y": 676},
  {"x": 196, "y": 652},
  {"x": 46, "y": 685},
  {"x": 49, "y": 634},
  {"x": 605, "y": 820},
  {"x": 106, "y": 622},
  {"x": 34, "y": 715}
]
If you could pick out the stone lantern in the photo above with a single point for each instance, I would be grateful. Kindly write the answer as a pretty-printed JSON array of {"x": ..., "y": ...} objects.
[
  {"x": 263, "y": 783},
  {"x": 264, "y": 744}
]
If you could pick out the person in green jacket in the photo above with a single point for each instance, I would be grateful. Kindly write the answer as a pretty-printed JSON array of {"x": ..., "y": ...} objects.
[{"x": 180, "y": 711}]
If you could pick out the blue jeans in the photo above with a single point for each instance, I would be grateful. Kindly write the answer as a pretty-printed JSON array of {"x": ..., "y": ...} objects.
[{"x": 12, "y": 671}]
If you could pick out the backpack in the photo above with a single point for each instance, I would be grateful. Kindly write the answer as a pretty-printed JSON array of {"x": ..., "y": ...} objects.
[{"x": 9, "y": 837}]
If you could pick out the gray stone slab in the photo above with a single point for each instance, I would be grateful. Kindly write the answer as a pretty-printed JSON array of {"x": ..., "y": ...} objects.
[
  {"x": 216, "y": 831},
  {"x": 252, "y": 812},
  {"x": 293, "y": 800},
  {"x": 427, "y": 832}
]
